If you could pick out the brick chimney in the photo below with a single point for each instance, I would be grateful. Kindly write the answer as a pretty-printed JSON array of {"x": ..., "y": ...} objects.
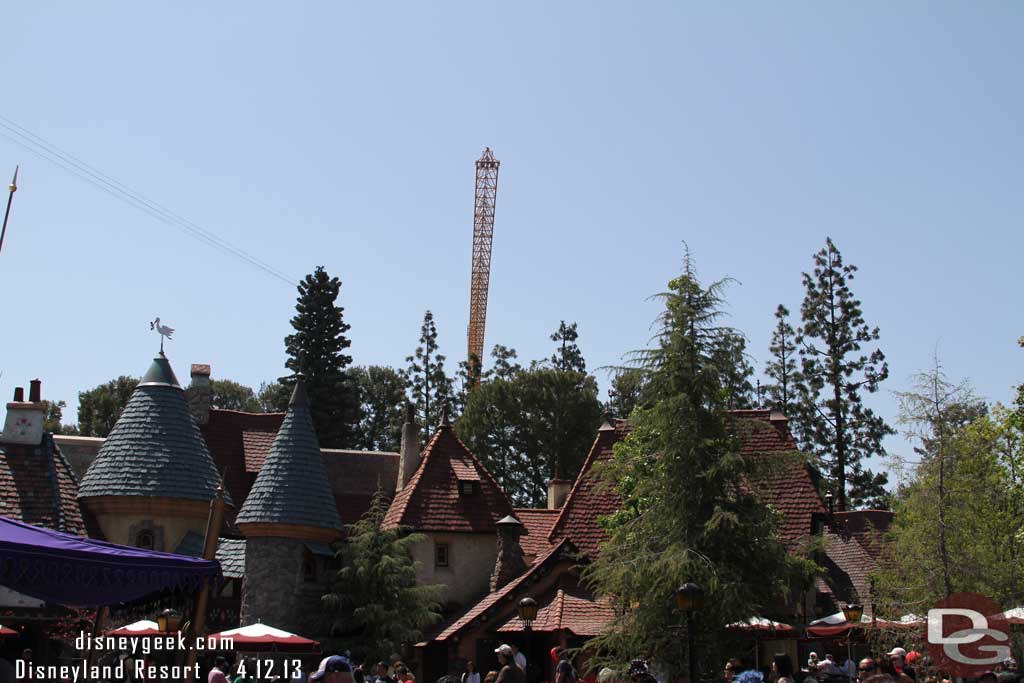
[
  {"x": 24, "y": 422},
  {"x": 510, "y": 562},
  {"x": 200, "y": 393},
  {"x": 409, "y": 455},
  {"x": 558, "y": 491}
]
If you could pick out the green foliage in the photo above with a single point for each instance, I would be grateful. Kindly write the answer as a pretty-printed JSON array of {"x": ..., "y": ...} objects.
[
  {"x": 503, "y": 365},
  {"x": 832, "y": 421},
  {"x": 52, "y": 421},
  {"x": 99, "y": 407},
  {"x": 735, "y": 370},
  {"x": 316, "y": 349},
  {"x": 229, "y": 395},
  {"x": 530, "y": 427},
  {"x": 273, "y": 397},
  {"x": 782, "y": 370},
  {"x": 381, "y": 399},
  {"x": 687, "y": 514},
  {"x": 960, "y": 521},
  {"x": 429, "y": 387},
  {"x": 376, "y": 602},
  {"x": 567, "y": 356},
  {"x": 626, "y": 392}
]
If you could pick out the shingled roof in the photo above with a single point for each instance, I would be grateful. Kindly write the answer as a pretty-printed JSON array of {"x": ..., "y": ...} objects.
[
  {"x": 291, "y": 487},
  {"x": 155, "y": 448},
  {"x": 38, "y": 486},
  {"x": 431, "y": 501},
  {"x": 782, "y": 480},
  {"x": 572, "y": 608},
  {"x": 231, "y": 436}
]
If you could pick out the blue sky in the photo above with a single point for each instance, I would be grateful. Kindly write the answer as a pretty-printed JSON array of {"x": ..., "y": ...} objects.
[{"x": 344, "y": 134}]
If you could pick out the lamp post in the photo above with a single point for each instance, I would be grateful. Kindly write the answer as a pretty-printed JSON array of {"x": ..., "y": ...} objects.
[
  {"x": 169, "y": 621},
  {"x": 689, "y": 598},
  {"x": 852, "y": 612},
  {"x": 527, "y": 609}
]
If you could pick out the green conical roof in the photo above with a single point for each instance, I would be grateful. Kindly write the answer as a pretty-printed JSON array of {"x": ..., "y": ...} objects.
[
  {"x": 155, "y": 448},
  {"x": 292, "y": 486}
]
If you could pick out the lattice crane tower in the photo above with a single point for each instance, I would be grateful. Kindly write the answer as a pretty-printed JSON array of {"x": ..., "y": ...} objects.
[{"x": 483, "y": 236}]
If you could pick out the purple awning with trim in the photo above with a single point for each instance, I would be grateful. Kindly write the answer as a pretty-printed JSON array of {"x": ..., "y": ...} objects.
[{"x": 83, "y": 572}]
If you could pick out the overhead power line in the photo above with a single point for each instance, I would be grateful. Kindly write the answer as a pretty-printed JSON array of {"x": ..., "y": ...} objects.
[{"x": 39, "y": 146}]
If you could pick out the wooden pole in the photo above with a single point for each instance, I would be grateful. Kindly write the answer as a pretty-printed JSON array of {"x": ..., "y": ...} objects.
[
  {"x": 213, "y": 524},
  {"x": 97, "y": 627}
]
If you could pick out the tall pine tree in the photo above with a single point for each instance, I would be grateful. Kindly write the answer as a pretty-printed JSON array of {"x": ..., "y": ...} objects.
[
  {"x": 381, "y": 399},
  {"x": 782, "y": 370},
  {"x": 316, "y": 349},
  {"x": 835, "y": 425},
  {"x": 429, "y": 387},
  {"x": 688, "y": 513},
  {"x": 568, "y": 355}
]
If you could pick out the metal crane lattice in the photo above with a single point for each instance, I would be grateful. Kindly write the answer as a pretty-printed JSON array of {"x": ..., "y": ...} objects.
[{"x": 483, "y": 237}]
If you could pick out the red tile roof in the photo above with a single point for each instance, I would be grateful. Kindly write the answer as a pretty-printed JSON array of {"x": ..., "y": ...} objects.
[
  {"x": 483, "y": 609},
  {"x": 224, "y": 438},
  {"x": 854, "y": 563},
  {"x": 868, "y": 527},
  {"x": 573, "y": 609},
  {"x": 431, "y": 500},
  {"x": 38, "y": 486},
  {"x": 355, "y": 476},
  {"x": 255, "y": 448},
  {"x": 784, "y": 481},
  {"x": 536, "y": 529}
]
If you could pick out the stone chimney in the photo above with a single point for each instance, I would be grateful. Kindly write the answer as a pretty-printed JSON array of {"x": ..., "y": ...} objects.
[
  {"x": 24, "y": 422},
  {"x": 200, "y": 393},
  {"x": 409, "y": 456},
  {"x": 510, "y": 562},
  {"x": 558, "y": 491}
]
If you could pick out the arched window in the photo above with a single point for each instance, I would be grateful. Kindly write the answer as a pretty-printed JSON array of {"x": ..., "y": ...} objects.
[{"x": 145, "y": 539}]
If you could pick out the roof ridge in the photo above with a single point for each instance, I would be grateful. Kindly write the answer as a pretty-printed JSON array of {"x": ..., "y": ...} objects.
[
  {"x": 400, "y": 502},
  {"x": 587, "y": 465}
]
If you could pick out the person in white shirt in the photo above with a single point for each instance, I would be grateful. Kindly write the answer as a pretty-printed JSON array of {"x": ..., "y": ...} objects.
[
  {"x": 519, "y": 657},
  {"x": 471, "y": 675}
]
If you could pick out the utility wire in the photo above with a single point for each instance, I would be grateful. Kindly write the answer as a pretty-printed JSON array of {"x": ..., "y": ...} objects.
[{"x": 41, "y": 147}]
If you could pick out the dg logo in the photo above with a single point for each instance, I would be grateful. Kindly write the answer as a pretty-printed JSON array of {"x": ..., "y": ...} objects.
[{"x": 967, "y": 635}]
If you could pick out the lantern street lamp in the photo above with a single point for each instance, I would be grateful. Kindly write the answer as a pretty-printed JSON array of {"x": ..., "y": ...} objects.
[
  {"x": 853, "y": 612},
  {"x": 168, "y": 621},
  {"x": 689, "y": 598},
  {"x": 527, "y": 609}
]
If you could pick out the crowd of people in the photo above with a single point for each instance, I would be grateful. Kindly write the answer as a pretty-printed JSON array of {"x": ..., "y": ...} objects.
[{"x": 896, "y": 666}]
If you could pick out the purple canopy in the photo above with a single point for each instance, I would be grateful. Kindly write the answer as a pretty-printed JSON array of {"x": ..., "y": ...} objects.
[{"x": 83, "y": 572}]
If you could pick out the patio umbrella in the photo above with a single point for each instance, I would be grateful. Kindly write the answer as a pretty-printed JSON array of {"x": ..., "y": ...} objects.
[
  {"x": 4, "y": 631},
  {"x": 264, "y": 638},
  {"x": 761, "y": 624},
  {"x": 833, "y": 625},
  {"x": 139, "y": 628},
  {"x": 1015, "y": 616}
]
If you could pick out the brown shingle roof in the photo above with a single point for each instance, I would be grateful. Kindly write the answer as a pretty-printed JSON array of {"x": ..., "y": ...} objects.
[
  {"x": 38, "y": 486},
  {"x": 536, "y": 529},
  {"x": 355, "y": 476},
  {"x": 255, "y": 447},
  {"x": 868, "y": 527},
  {"x": 224, "y": 436},
  {"x": 573, "y": 609},
  {"x": 431, "y": 500}
]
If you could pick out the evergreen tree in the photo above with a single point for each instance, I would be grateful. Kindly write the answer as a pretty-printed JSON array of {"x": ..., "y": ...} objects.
[
  {"x": 782, "y": 370},
  {"x": 834, "y": 423},
  {"x": 688, "y": 513},
  {"x": 626, "y": 392},
  {"x": 568, "y": 356},
  {"x": 429, "y": 386},
  {"x": 735, "y": 371},
  {"x": 273, "y": 397},
  {"x": 504, "y": 365},
  {"x": 316, "y": 349},
  {"x": 381, "y": 399},
  {"x": 376, "y": 601}
]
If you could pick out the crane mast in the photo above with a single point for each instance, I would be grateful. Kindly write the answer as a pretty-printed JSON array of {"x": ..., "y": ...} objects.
[{"x": 483, "y": 236}]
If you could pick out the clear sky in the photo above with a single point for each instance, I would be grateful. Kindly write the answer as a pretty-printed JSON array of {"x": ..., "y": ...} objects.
[{"x": 344, "y": 135}]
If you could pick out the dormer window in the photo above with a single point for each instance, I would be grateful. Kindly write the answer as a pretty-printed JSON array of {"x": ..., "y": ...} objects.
[
  {"x": 468, "y": 488},
  {"x": 145, "y": 540}
]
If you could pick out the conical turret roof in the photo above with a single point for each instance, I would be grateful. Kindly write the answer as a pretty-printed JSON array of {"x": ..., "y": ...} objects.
[
  {"x": 155, "y": 448},
  {"x": 291, "y": 487}
]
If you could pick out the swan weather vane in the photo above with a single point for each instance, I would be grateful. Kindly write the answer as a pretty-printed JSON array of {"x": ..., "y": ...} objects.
[{"x": 164, "y": 331}]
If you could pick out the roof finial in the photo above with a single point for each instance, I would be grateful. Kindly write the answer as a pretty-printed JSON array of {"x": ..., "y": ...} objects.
[{"x": 444, "y": 416}]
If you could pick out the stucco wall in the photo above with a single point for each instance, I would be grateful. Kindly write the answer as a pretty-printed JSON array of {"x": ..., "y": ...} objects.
[
  {"x": 471, "y": 560},
  {"x": 118, "y": 528}
]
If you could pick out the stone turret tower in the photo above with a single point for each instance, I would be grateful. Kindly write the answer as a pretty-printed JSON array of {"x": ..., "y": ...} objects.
[
  {"x": 288, "y": 520},
  {"x": 153, "y": 479}
]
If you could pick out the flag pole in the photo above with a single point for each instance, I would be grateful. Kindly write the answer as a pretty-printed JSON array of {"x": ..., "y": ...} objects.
[{"x": 12, "y": 188}]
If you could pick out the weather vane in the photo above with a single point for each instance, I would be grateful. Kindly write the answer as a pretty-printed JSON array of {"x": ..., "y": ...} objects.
[{"x": 164, "y": 331}]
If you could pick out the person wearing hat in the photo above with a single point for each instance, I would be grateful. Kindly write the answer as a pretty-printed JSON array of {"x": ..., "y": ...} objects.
[
  {"x": 897, "y": 656},
  {"x": 510, "y": 672},
  {"x": 333, "y": 669}
]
